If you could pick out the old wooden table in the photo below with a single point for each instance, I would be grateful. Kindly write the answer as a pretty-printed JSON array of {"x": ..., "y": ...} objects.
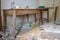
[{"x": 19, "y": 12}]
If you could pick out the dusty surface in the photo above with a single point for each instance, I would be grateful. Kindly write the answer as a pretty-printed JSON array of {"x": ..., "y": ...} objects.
[
  {"x": 34, "y": 33},
  {"x": 38, "y": 34}
]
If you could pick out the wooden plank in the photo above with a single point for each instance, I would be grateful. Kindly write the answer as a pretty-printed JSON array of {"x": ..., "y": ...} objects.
[{"x": 20, "y": 12}]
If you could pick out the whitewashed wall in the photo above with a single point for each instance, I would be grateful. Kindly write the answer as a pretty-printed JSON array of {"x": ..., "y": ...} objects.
[
  {"x": 6, "y": 4},
  {"x": 47, "y": 3}
]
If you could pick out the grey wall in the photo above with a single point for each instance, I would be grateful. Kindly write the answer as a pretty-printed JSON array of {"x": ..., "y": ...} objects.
[
  {"x": 47, "y": 3},
  {"x": 6, "y": 4}
]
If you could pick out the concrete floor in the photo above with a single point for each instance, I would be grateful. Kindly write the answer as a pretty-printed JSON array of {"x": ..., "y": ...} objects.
[
  {"x": 50, "y": 32},
  {"x": 47, "y": 31}
]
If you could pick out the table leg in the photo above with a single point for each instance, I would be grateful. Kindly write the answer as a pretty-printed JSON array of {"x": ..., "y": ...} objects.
[
  {"x": 27, "y": 17},
  {"x": 5, "y": 23},
  {"x": 14, "y": 24},
  {"x": 55, "y": 14},
  {"x": 41, "y": 16},
  {"x": 48, "y": 15},
  {"x": 35, "y": 17},
  {"x": 55, "y": 17}
]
